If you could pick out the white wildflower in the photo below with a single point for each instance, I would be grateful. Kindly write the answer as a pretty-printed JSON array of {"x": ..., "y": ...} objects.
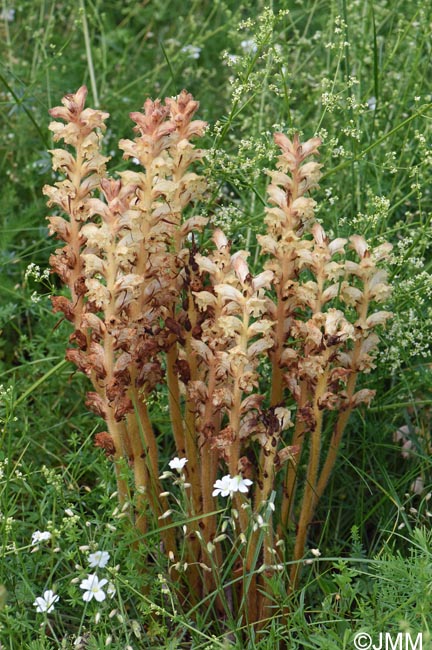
[
  {"x": 39, "y": 536},
  {"x": 222, "y": 486},
  {"x": 98, "y": 559},
  {"x": 240, "y": 484},
  {"x": 226, "y": 486},
  {"x": 177, "y": 463},
  {"x": 93, "y": 588},
  {"x": 46, "y": 602}
]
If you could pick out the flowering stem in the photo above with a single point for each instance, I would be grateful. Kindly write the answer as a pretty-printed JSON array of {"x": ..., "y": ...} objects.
[
  {"x": 290, "y": 480},
  {"x": 176, "y": 415},
  {"x": 277, "y": 372},
  {"x": 117, "y": 432},
  {"x": 146, "y": 467},
  {"x": 191, "y": 441},
  {"x": 309, "y": 498},
  {"x": 334, "y": 444},
  {"x": 209, "y": 467},
  {"x": 268, "y": 472}
]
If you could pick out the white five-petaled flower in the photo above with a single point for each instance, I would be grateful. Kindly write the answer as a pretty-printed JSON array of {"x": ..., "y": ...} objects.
[
  {"x": 93, "y": 588},
  {"x": 222, "y": 486},
  {"x": 98, "y": 559},
  {"x": 177, "y": 463},
  {"x": 240, "y": 484},
  {"x": 39, "y": 536},
  {"x": 226, "y": 486},
  {"x": 316, "y": 552},
  {"x": 46, "y": 602}
]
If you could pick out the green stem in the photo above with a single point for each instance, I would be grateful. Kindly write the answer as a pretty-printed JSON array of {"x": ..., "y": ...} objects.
[{"x": 89, "y": 56}]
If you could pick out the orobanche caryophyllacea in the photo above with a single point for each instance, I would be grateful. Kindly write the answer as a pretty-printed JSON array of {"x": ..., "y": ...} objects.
[{"x": 149, "y": 308}]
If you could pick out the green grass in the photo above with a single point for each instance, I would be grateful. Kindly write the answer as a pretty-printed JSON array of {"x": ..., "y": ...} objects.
[{"x": 354, "y": 72}]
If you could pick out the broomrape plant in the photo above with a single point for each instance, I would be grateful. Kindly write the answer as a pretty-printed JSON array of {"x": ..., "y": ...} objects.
[{"x": 147, "y": 306}]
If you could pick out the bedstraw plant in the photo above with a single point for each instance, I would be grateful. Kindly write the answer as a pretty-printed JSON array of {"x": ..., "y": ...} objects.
[{"x": 260, "y": 369}]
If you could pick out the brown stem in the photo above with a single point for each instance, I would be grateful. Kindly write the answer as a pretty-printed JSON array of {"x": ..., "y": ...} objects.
[
  {"x": 335, "y": 441},
  {"x": 145, "y": 464},
  {"x": 193, "y": 467},
  {"x": 209, "y": 458},
  {"x": 344, "y": 416},
  {"x": 270, "y": 451},
  {"x": 141, "y": 477},
  {"x": 277, "y": 372},
  {"x": 291, "y": 474},
  {"x": 208, "y": 465},
  {"x": 309, "y": 500},
  {"x": 117, "y": 433},
  {"x": 176, "y": 414},
  {"x": 191, "y": 438}
]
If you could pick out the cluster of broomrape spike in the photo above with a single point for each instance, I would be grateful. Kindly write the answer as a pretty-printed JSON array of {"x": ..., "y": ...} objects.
[{"x": 147, "y": 307}]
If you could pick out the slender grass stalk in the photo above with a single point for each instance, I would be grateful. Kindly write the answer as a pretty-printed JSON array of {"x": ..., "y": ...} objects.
[{"x": 89, "y": 55}]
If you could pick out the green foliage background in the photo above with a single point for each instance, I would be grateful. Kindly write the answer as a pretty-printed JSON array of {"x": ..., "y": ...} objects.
[{"x": 356, "y": 73}]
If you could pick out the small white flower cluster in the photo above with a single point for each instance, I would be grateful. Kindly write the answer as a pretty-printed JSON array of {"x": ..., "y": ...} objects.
[
  {"x": 52, "y": 477},
  {"x": 191, "y": 51},
  {"x": 35, "y": 297},
  {"x": 6, "y": 394},
  {"x": 229, "y": 59},
  {"x": 6, "y": 523},
  {"x": 34, "y": 271},
  {"x": 91, "y": 585},
  {"x": 227, "y": 485}
]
